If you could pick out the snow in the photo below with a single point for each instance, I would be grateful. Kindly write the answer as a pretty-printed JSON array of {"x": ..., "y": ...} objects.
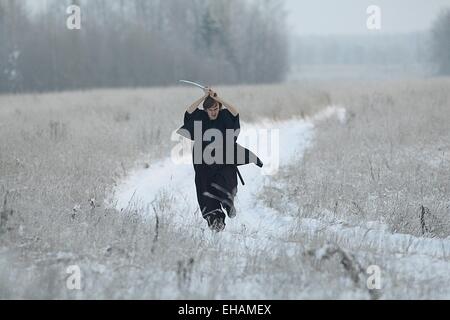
[
  {"x": 176, "y": 176},
  {"x": 257, "y": 226}
]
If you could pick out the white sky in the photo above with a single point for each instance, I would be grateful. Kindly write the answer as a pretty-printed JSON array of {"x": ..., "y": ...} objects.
[{"x": 349, "y": 16}]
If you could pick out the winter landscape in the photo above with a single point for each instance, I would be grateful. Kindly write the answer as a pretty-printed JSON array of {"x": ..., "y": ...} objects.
[{"x": 352, "y": 203}]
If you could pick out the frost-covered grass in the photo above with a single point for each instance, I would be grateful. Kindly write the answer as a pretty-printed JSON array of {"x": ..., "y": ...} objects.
[
  {"x": 378, "y": 184},
  {"x": 388, "y": 162},
  {"x": 62, "y": 154},
  {"x": 58, "y": 151}
]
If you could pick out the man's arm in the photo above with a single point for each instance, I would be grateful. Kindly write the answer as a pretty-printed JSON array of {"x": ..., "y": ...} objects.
[
  {"x": 195, "y": 105},
  {"x": 232, "y": 109}
]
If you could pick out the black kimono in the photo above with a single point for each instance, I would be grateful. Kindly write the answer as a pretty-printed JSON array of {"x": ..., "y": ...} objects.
[{"x": 216, "y": 183}]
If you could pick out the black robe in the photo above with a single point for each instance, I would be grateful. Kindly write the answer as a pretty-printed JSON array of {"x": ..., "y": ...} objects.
[{"x": 216, "y": 183}]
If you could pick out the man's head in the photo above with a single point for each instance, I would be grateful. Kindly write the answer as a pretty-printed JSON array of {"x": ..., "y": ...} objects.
[{"x": 212, "y": 107}]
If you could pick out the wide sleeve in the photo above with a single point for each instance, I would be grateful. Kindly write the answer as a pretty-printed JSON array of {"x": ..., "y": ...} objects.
[
  {"x": 187, "y": 130},
  {"x": 232, "y": 121},
  {"x": 191, "y": 117}
]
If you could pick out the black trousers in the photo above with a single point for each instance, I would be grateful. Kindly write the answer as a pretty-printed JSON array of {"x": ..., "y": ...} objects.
[{"x": 216, "y": 185}]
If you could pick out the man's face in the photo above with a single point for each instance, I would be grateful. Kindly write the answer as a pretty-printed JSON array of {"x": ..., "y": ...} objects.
[{"x": 213, "y": 112}]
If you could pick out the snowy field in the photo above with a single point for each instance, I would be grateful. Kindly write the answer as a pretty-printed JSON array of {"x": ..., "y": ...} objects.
[
  {"x": 363, "y": 181},
  {"x": 259, "y": 227},
  {"x": 176, "y": 176}
]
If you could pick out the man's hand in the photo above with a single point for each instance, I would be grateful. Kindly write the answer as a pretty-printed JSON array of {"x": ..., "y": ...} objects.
[
  {"x": 210, "y": 92},
  {"x": 230, "y": 108}
]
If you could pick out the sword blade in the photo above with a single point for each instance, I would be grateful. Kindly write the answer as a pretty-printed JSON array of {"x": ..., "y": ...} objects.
[{"x": 194, "y": 84}]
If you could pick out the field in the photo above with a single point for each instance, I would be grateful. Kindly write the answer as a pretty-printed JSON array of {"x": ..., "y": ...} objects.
[{"x": 365, "y": 181}]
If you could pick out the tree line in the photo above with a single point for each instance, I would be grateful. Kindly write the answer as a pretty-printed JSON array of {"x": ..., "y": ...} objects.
[
  {"x": 139, "y": 43},
  {"x": 440, "y": 40}
]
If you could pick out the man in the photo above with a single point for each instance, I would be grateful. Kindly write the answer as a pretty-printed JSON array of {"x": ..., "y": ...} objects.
[{"x": 214, "y": 131}]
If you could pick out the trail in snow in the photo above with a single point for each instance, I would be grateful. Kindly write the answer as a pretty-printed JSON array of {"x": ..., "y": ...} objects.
[
  {"x": 262, "y": 225},
  {"x": 142, "y": 186}
]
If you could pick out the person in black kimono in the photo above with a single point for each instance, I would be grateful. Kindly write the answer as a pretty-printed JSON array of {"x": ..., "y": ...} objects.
[{"x": 214, "y": 131}]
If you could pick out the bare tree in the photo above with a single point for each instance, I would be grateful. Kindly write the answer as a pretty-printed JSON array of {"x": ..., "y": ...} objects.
[
  {"x": 441, "y": 42},
  {"x": 141, "y": 43},
  {"x": 13, "y": 25}
]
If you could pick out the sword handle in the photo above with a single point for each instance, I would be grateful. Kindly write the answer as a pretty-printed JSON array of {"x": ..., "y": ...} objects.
[{"x": 215, "y": 94}]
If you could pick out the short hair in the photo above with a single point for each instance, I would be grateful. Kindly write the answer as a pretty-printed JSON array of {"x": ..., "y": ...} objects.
[{"x": 209, "y": 103}]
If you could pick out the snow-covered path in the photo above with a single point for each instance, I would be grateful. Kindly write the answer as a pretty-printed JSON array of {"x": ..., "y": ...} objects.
[
  {"x": 142, "y": 186},
  {"x": 262, "y": 227},
  {"x": 177, "y": 177}
]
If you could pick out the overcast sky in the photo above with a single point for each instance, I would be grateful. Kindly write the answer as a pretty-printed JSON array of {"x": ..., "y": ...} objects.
[{"x": 349, "y": 16}]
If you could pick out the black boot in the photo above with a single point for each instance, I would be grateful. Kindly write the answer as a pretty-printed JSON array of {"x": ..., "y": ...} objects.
[
  {"x": 230, "y": 210},
  {"x": 216, "y": 220}
]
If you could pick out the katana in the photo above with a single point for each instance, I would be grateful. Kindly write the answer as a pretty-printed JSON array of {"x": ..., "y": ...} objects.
[{"x": 194, "y": 84}]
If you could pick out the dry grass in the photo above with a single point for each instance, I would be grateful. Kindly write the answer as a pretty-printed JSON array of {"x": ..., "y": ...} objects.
[
  {"x": 59, "y": 151},
  {"x": 389, "y": 162},
  {"x": 62, "y": 153}
]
